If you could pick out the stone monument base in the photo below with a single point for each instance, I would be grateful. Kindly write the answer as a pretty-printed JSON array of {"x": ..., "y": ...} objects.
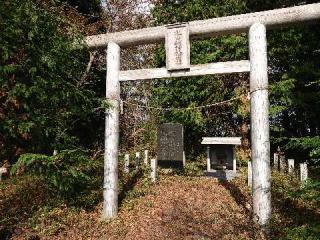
[
  {"x": 226, "y": 175},
  {"x": 170, "y": 164}
]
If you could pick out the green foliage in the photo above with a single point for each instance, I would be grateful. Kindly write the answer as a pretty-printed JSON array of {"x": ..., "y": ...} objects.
[
  {"x": 295, "y": 207},
  {"x": 309, "y": 192},
  {"x": 311, "y": 144},
  {"x": 295, "y": 91},
  {"x": 307, "y": 232},
  {"x": 134, "y": 185},
  {"x": 44, "y": 105},
  {"x": 293, "y": 58},
  {"x": 69, "y": 172},
  {"x": 197, "y": 91},
  {"x": 282, "y": 91},
  {"x": 195, "y": 168},
  {"x": 289, "y": 187}
]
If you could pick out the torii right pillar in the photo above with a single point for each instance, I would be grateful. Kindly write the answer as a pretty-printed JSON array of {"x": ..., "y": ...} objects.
[{"x": 260, "y": 142}]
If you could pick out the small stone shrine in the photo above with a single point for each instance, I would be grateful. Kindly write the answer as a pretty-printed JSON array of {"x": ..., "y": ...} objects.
[
  {"x": 221, "y": 159},
  {"x": 170, "y": 145}
]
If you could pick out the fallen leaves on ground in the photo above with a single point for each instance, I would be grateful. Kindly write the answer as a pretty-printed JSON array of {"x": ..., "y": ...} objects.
[{"x": 177, "y": 207}]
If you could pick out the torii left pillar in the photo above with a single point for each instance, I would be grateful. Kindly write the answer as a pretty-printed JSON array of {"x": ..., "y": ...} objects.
[{"x": 110, "y": 182}]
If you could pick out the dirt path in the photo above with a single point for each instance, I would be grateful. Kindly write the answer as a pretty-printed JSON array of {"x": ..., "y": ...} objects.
[
  {"x": 187, "y": 208},
  {"x": 179, "y": 208}
]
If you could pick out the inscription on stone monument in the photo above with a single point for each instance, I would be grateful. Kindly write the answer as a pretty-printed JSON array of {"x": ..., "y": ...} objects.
[
  {"x": 170, "y": 145},
  {"x": 177, "y": 47}
]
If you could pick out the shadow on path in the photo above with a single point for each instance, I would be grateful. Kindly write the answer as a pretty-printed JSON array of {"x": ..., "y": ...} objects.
[
  {"x": 238, "y": 196},
  {"x": 129, "y": 184}
]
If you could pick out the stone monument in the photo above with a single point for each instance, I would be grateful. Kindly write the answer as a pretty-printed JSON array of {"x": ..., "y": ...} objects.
[{"x": 170, "y": 145}]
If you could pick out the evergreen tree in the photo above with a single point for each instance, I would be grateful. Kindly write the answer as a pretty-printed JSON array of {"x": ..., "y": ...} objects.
[
  {"x": 188, "y": 92},
  {"x": 43, "y": 104}
]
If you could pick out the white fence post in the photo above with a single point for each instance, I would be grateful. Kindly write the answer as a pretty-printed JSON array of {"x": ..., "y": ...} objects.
[
  {"x": 290, "y": 166},
  {"x": 249, "y": 174},
  {"x": 303, "y": 172},
  {"x": 110, "y": 183},
  {"x": 208, "y": 159},
  {"x": 282, "y": 163},
  {"x": 153, "y": 170},
  {"x": 3, "y": 171},
  {"x": 126, "y": 163},
  {"x": 137, "y": 160},
  {"x": 234, "y": 165},
  {"x": 261, "y": 175},
  {"x": 146, "y": 157},
  {"x": 55, "y": 152}
]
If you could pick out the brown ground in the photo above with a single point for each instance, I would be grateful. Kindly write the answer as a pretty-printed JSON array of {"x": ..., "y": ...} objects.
[{"x": 176, "y": 208}]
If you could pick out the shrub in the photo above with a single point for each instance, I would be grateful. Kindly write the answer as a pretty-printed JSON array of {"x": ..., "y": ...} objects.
[
  {"x": 69, "y": 172},
  {"x": 309, "y": 192},
  {"x": 306, "y": 232}
]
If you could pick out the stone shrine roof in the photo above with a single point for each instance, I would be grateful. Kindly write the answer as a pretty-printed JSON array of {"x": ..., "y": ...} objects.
[{"x": 221, "y": 140}]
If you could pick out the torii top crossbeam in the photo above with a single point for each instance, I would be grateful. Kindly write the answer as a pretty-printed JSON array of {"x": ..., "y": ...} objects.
[{"x": 212, "y": 27}]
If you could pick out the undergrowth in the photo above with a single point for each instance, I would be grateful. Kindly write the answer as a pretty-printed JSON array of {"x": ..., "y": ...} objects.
[
  {"x": 34, "y": 205},
  {"x": 50, "y": 194},
  {"x": 296, "y": 205}
]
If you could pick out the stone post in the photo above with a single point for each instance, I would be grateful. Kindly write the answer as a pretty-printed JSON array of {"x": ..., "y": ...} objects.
[
  {"x": 146, "y": 157},
  {"x": 282, "y": 163},
  {"x": 184, "y": 159},
  {"x": 303, "y": 172},
  {"x": 261, "y": 175},
  {"x": 234, "y": 165},
  {"x": 137, "y": 160},
  {"x": 126, "y": 163},
  {"x": 153, "y": 164},
  {"x": 3, "y": 171},
  {"x": 290, "y": 166},
  {"x": 110, "y": 183},
  {"x": 208, "y": 159},
  {"x": 249, "y": 174}
]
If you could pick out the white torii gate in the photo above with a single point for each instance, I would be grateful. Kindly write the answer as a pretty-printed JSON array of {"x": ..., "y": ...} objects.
[{"x": 178, "y": 64}]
